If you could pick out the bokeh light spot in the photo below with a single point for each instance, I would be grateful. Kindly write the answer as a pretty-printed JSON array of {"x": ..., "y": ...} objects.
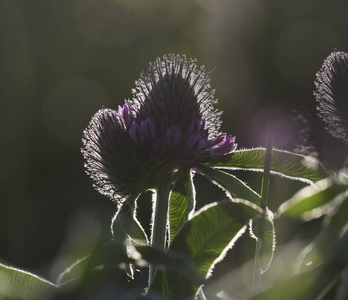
[
  {"x": 300, "y": 48},
  {"x": 69, "y": 106},
  {"x": 104, "y": 22}
]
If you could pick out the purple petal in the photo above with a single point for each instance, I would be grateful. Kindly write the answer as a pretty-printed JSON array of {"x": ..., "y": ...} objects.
[
  {"x": 148, "y": 128},
  {"x": 195, "y": 143},
  {"x": 226, "y": 145},
  {"x": 165, "y": 124},
  {"x": 126, "y": 114},
  {"x": 120, "y": 110},
  {"x": 173, "y": 136},
  {"x": 196, "y": 125},
  {"x": 220, "y": 138},
  {"x": 159, "y": 147},
  {"x": 136, "y": 134}
]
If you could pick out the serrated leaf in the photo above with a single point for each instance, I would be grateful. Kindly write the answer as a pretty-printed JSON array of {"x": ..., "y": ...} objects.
[
  {"x": 263, "y": 231},
  {"x": 205, "y": 238},
  {"x": 181, "y": 204},
  {"x": 18, "y": 284},
  {"x": 313, "y": 201},
  {"x": 288, "y": 164},
  {"x": 234, "y": 187}
]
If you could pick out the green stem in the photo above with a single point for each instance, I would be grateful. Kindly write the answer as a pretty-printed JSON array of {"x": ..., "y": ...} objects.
[
  {"x": 201, "y": 294},
  {"x": 160, "y": 223},
  {"x": 257, "y": 273},
  {"x": 267, "y": 164},
  {"x": 264, "y": 195}
]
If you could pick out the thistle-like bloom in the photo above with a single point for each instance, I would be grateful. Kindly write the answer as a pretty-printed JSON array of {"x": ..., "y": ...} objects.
[
  {"x": 332, "y": 94},
  {"x": 169, "y": 124}
]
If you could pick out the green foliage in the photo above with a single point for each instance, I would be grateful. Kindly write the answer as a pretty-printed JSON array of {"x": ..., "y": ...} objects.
[
  {"x": 16, "y": 284},
  {"x": 289, "y": 288},
  {"x": 125, "y": 225},
  {"x": 233, "y": 187},
  {"x": 212, "y": 231},
  {"x": 73, "y": 272},
  {"x": 197, "y": 241},
  {"x": 205, "y": 238},
  {"x": 313, "y": 201},
  {"x": 262, "y": 230},
  {"x": 125, "y": 228},
  {"x": 181, "y": 204},
  {"x": 328, "y": 197},
  {"x": 101, "y": 274},
  {"x": 330, "y": 244},
  {"x": 173, "y": 261},
  {"x": 322, "y": 265},
  {"x": 291, "y": 165}
]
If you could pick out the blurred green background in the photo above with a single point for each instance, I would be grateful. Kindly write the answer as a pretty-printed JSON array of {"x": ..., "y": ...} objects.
[{"x": 63, "y": 60}]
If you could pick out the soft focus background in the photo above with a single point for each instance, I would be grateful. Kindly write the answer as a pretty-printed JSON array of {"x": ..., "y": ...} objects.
[{"x": 61, "y": 61}]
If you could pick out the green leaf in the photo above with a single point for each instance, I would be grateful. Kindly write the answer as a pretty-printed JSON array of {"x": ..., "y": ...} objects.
[
  {"x": 291, "y": 165},
  {"x": 330, "y": 241},
  {"x": 124, "y": 223},
  {"x": 105, "y": 252},
  {"x": 126, "y": 228},
  {"x": 233, "y": 187},
  {"x": 211, "y": 231},
  {"x": 73, "y": 272},
  {"x": 18, "y": 284},
  {"x": 173, "y": 261},
  {"x": 102, "y": 271},
  {"x": 337, "y": 219},
  {"x": 263, "y": 232},
  {"x": 205, "y": 239},
  {"x": 182, "y": 203},
  {"x": 313, "y": 201}
]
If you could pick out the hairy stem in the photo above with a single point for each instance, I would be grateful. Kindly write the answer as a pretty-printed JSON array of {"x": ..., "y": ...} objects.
[{"x": 160, "y": 223}]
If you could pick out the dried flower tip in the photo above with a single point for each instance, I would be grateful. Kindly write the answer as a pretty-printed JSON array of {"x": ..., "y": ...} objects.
[{"x": 331, "y": 94}]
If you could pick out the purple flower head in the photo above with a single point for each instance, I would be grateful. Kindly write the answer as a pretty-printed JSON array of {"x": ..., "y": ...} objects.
[
  {"x": 175, "y": 95},
  {"x": 171, "y": 117},
  {"x": 331, "y": 94}
]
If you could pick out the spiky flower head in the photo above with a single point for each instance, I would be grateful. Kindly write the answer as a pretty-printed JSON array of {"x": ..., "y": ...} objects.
[
  {"x": 169, "y": 124},
  {"x": 332, "y": 94}
]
